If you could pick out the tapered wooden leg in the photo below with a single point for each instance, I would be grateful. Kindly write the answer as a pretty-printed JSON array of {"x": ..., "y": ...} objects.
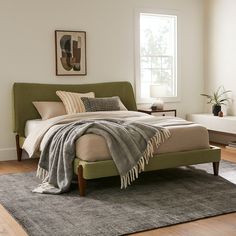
[
  {"x": 216, "y": 168},
  {"x": 81, "y": 181},
  {"x": 18, "y": 148}
]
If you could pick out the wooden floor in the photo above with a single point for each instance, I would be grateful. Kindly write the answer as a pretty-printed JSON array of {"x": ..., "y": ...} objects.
[{"x": 224, "y": 225}]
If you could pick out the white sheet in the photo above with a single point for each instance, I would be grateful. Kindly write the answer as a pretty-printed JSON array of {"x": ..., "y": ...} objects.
[{"x": 31, "y": 125}]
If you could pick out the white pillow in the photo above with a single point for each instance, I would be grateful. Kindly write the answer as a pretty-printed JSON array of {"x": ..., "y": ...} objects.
[{"x": 72, "y": 101}]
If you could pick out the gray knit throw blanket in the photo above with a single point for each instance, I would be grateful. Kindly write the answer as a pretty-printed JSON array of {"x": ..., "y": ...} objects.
[{"x": 130, "y": 145}]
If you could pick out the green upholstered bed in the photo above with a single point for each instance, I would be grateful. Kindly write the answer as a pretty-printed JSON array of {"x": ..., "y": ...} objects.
[{"x": 25, "y": 93}]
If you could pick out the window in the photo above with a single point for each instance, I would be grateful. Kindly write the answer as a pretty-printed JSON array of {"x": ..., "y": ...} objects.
[{"x": 157, "y": 56}]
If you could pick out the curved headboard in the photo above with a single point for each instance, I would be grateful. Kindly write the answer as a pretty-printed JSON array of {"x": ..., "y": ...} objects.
[{"x": 26, "y": 93}]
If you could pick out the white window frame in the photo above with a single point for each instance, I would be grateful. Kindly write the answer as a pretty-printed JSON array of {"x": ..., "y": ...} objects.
[{"x": 176, "y": 98}]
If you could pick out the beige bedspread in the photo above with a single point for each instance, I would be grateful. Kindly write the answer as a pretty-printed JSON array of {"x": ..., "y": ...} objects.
[{"x": 90, "y": 147}]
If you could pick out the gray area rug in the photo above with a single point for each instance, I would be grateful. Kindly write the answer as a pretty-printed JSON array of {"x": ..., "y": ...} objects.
[{"x": 157, "y": 199}]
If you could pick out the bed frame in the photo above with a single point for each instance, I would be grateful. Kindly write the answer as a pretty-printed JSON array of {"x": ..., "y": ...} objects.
[{"x": 25, "y": 93}]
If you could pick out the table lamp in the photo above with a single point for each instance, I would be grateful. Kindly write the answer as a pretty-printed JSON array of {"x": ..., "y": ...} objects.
[{"x": 155, "y": 92}]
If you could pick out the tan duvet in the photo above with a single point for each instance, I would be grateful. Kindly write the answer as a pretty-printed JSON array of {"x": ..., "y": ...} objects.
[{"x": 90, "y": 147}]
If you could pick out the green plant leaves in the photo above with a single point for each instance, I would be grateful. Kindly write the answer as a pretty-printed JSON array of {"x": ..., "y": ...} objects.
[{"x": 219, "y": 97}]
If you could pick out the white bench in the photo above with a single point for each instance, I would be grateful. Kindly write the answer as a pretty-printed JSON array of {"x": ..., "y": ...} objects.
[
  {"x": 221, "y": 129},
  {"x": 226, "y": 124}
]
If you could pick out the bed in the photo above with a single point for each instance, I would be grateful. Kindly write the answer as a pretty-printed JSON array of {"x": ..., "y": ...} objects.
[{"x": 94, "y": 164}]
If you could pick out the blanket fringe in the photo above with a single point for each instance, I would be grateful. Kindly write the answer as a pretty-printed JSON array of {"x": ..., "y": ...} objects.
[
  {"x": 132, "y": 174},
  {"x": 43, "y": 187},
  {"x": 41, "y": 173}
]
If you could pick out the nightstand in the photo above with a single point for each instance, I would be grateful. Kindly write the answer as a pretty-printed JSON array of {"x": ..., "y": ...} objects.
[{"x": 171, "y": 112}]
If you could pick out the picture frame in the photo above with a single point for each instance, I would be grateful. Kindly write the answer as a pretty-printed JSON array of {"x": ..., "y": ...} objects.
[{"x": 70, "y": 51}]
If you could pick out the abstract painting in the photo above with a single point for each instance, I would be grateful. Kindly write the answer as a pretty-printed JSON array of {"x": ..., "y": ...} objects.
[{"x": 70, "y": 52}]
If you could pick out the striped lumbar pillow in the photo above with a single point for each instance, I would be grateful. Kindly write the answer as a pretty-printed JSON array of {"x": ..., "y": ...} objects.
[{"x": 72, "y": 101}]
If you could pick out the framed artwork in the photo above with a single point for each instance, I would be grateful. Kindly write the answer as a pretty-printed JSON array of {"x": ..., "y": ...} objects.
[{"x": 70, "y": 52}]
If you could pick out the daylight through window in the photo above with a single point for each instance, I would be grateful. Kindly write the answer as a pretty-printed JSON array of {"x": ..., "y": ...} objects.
[{"x": 158, "y": 54}]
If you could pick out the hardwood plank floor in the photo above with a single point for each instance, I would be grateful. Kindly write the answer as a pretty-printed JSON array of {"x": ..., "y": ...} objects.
[
  {"x": 8, "y": 226},
  {"x": 7, "y": 167},
  {"x": 215, "y": 226}
]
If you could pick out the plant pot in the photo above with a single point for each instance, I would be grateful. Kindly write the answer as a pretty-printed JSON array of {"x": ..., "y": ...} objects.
[{"x": 216, "y": 109}]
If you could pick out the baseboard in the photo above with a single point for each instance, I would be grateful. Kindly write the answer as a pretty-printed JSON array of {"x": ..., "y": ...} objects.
[{"x": 8, "y": 154}]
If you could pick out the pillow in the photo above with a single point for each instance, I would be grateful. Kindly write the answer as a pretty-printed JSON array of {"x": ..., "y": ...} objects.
[
  {"x": 72, "y": 101},
  {"x": 122, "y": 106},
  {"x": 101, "y": 104},
  {"x": 49, "y": 110}
]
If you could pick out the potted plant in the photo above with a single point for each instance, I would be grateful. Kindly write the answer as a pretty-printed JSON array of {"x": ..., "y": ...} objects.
[{"x": 217, "y": 99}]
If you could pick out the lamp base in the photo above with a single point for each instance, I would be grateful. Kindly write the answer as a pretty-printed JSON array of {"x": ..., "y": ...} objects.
[{"x": 158, "y": 105}]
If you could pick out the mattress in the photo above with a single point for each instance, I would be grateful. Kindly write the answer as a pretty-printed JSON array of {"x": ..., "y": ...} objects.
[{"x": 92, "y": 147}]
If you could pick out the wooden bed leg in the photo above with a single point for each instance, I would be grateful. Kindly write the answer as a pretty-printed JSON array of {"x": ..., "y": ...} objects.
[
  {"x": 81, "y": 181},
  {"x": 18, "y": 148},
  {"x": 216, "y": 168}
]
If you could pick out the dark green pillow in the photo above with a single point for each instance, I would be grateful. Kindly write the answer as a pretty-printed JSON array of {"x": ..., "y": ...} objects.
[{"x": 101, "y": 104}]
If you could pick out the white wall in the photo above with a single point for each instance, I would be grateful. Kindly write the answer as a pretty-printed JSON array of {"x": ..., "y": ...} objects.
[
  {"x": 221, "y": 48},
  {"x": 27, "y": 47}
]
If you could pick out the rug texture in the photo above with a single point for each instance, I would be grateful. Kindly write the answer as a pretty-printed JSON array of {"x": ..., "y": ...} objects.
[{"x": 155, "y": 200}]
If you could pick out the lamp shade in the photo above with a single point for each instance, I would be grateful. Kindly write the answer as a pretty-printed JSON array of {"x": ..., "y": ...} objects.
[{"x": 155, "y": 90}]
